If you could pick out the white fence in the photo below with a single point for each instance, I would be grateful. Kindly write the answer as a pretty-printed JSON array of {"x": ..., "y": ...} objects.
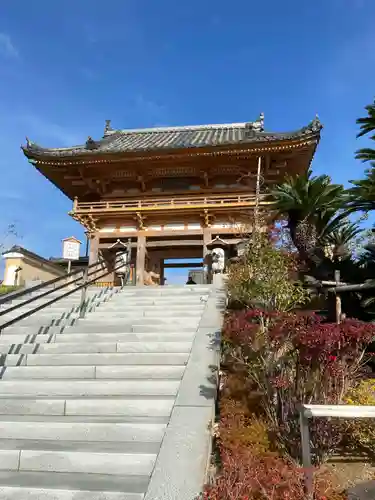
[{"x": 337, "y": 411}]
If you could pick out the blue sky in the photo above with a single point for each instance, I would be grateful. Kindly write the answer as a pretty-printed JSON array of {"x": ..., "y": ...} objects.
[{"x": 67, "y": 66}]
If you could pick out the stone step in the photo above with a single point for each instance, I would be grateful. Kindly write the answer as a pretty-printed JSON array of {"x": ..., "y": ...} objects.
[
  {"x": 132, "y": 464},
  {"x": 88, "y": 407},
  {"x": 57, "y": 306},
  {"x": 158, "y": 316},
  {"x": 35, "y": 329},
  {"x": 71, "y": 486},
  {"x": 96, "y": 359},
  {"x": 26, "y": 493},
  {"x": 110, "y": 419},
  {"x": 132, "y": 446},
  {"x": 94, "y": 372},
  {"x": 66, "y": 303},
  {"x": 86, "y": 388},
  {"x": 139, "y": 308},
  {"x": 68, "y": 336},
  {"x": 84, "y": 403},
  {"x": 99, "y": 347},
  {"x": 153, "y": 301},
  {"x": 38, "y": 319},
  {"x": 167, "y": 290},
  {"x": 149, "y": 320},
  {"x": 80, "y": 431},
  {"x": 145, "y": 325},
  {"x": 62, "y": 304}
]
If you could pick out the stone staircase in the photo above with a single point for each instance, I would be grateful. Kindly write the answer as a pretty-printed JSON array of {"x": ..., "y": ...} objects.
[{"x": 87, "y": 407}]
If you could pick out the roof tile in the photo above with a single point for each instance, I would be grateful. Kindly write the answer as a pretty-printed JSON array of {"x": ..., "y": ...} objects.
[{"x": 115, "y": 141}]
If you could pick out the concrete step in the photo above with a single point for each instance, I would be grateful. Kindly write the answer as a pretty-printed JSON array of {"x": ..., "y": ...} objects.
[
  {"x": 27, "y": 493},
  {"x": 18, "y": 329},
  {"x": 57, "y": 306},
  {"x": 84, "y": 404},
  {"x": 74, "y": 348},
  {"x": 132, "y": 464},
  {"x": 68, "y": 336},
  {"x": 131, "y": 301},
  {"x": 97, "y": 359},
  {"x": 138, "y": 308},
  {"x": 71, "y": 486},
  {"x": 68, "y": 302},
  {"x": 145, "y": 325},
  {"x": 80, "y": 431},
  {"x": 94, "y": 372},
  {"x": 133, "y": 446},
  {"x": 167, "y": 290},
  {"x": 123, "y": 408},
  {"x": 86, "y": 388},
  {"x": 149, "y": 320},
  {"x": 158, "y": 316},
  {"x": 64, "y": 303},
  {"x": 149, "y": 327},
  {"x": 40, "y": 320}
]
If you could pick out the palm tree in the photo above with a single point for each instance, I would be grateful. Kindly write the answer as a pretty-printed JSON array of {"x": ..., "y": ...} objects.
[
  {"x": 367, "y": 126},
  {"x": 339, "y": 240},
  {"x": 311, "y": 204},
  {"x": 362, "y": 195}
]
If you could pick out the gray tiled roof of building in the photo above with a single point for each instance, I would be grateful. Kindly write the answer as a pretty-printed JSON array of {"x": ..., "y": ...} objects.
[{"x": 165, "y": 138}]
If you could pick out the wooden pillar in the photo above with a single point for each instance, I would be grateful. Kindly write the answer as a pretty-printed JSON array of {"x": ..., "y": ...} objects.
[
  {"x": 257, "y": 194},
  {"x": 94, "y": 249},
  {"x": 207, "y": 237},
  {"x": 162, "y": 271},
  {"x": 141, "y": 257}
]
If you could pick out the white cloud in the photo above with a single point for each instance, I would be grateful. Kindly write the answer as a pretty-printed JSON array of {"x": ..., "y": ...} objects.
[
  {"x": 150, "y": 110},
  {"x": 39, "y": 129},
  {"x": 7, "y": 48}
]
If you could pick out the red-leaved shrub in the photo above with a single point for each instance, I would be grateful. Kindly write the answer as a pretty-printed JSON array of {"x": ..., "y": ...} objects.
[
  {"x": 297, "y": 358},
  {"x": 245, "y": 476}
]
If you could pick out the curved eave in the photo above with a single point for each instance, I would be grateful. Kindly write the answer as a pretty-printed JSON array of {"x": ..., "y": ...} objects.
[{"x": 262, "y": 143}]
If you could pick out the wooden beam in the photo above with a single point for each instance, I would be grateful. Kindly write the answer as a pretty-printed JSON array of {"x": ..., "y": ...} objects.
[
  {"x": 183, "y": 264},
  {"x": 167, "y": 233},
  {"x": 141, "y": 257},
  {"x": 174, "y": 243}
]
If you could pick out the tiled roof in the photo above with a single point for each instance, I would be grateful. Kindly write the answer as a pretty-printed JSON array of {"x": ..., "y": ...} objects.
[
  {"x": 166, "y": 138},
  {"x": 32, "y": 255}
]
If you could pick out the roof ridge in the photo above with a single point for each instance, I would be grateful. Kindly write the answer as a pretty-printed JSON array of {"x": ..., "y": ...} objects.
[{"x": 177, "y": 128}]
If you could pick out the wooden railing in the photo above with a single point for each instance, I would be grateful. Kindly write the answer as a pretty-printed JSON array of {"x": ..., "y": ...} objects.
[{"x": 244, "y": 200}]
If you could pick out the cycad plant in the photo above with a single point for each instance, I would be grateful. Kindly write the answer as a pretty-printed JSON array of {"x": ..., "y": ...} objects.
[
  {"x": 312, "y": 206},
  {"x": 367, "y": 124}
]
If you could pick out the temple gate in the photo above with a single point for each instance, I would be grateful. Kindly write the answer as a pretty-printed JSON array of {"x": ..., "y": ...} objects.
[{"x": 169, "y": 192}]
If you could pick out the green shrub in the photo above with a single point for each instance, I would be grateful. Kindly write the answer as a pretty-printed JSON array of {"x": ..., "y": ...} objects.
[
  {"x": 262, "y": 279},
  {"x": 7, "y": 289}
]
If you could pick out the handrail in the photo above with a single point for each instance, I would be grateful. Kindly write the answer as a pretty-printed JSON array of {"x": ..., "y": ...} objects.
[
  {"x": 46, "y": 304},
  {"x": 35, "y": 288},
  {"x": 119, "y": 263},
  {"x": 48, "y": 292}
]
